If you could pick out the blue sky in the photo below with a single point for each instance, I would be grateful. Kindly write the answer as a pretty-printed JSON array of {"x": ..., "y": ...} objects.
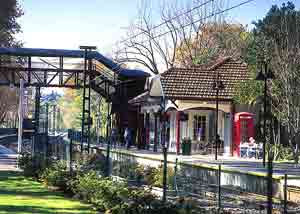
[{"x": 70, "y": 23}]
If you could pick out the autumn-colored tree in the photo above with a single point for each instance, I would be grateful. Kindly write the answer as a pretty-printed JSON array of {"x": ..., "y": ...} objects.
[
  {"x": 216, "y": 40},
  {"x": 71, "y": 105}
]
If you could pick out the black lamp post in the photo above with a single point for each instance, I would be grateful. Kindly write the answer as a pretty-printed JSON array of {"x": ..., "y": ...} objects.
[
  {"x": 217, "y": 85},
  {"x": 264, "y": 76}
]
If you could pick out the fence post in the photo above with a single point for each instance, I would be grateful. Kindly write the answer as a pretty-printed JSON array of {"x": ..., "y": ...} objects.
[
  {"x": 71, "y": 151},
  {"x": 165, "y": 174},
  {"x": 175, "y": 175},
  {"x": 270, "y": 184},
  {"x": 285, "y": 194},
  {"x": 219, "y": 188}
]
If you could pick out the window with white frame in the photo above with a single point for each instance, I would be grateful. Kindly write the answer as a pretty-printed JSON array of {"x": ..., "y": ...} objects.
[{"x": 199, "y": 128}]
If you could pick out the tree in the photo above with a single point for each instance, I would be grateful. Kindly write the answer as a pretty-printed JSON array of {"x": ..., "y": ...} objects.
[
  {"x": 217, "y": 40},
  {"x": 71, "y": 105},
  {"x": 9, "y": 12},
  {"x": 278, "y": 39},
  {"x": 156, "y": 47}
]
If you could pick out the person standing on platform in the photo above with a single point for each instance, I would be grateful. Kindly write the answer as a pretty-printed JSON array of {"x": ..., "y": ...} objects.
[{"x": 127, "y": 137}]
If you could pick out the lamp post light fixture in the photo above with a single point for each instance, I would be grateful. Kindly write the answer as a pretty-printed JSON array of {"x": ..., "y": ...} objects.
[
  {"x": 217, "y": 85},
  {"x": 264, "y": 76}
]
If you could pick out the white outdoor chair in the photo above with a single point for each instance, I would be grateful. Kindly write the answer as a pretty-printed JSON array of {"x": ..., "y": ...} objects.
[
  {"x": 252, "y": 150},
  {"x": 244, "y": 149}
]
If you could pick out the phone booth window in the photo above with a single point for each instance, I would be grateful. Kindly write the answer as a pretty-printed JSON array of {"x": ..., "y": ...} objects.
[{"x": 244, "y": 129}]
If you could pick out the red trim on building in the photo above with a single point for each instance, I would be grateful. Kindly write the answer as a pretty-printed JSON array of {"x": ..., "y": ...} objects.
[{"x": 178, "y": 132}]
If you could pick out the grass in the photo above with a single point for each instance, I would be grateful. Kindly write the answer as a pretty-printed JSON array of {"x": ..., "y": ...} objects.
[{"x": 19, "y": 195}]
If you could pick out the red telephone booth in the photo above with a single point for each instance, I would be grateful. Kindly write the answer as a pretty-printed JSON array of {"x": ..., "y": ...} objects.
[{"x": 243, "y": 130}]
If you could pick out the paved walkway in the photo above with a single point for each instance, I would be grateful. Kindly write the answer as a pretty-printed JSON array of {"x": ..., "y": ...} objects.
[{"x": 253, "y": 166}]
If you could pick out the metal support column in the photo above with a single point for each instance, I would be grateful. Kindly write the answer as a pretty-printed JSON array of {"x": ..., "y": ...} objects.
[
  {"x": 46, "y": 132},
  {"x": 108, "y": 121},
  {"x": 54, "y": 119},
  {"x": 36, "y": 118},
  {"x": 86, "y": 102}
]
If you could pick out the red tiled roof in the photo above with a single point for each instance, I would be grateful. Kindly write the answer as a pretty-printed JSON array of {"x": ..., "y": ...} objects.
[{"x": 197, "y": 82}]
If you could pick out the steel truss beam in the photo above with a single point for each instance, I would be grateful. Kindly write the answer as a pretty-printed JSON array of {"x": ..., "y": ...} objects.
[{"x": 57, "y": 76}]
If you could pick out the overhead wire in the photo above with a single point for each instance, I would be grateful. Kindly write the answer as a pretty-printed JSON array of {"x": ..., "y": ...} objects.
[
  {"x": 168, "y": 20},
  {"x": 194, "y": 22}
]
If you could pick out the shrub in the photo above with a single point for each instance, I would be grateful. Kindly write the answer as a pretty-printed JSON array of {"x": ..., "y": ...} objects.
[
  {"x": 86, "y": 163},
  {"x": 158, "y": 177},
  {"x": 127, "y": 169},
  {"x": 149, "y": 175},
  {"x": 33, "y": 166},
  {"x": 94, "y": 162},
  {"x": 57, "y": 176},
  {"x": 106, "y": 194}
]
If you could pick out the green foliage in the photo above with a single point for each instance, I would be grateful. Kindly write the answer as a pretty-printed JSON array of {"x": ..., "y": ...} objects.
[
  {"x": 104, "y": 193},
  {"x": 147, "y": 175},
  {"x": 277, "y": 36},
  {"x": 9, "y": 27},
  {"x": 126, "y": 169},
  {"x": 158, "y": 177},
  {"x": 280, "y": 152},
  {"x": 56, "y": 176},
  {"x": 71, "y": 105},
  {"x": 96, "y": 162},
  {"x": 248, "y": 92},
  {"x": 117, "y": 198}
]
